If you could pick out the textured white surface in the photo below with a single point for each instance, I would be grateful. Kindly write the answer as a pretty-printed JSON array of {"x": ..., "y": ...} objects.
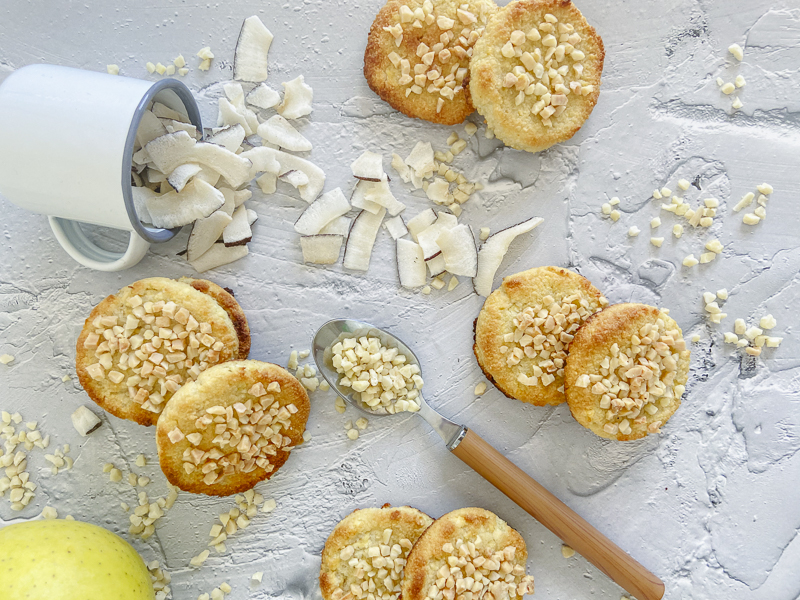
[{"x": 710, "y": 505}]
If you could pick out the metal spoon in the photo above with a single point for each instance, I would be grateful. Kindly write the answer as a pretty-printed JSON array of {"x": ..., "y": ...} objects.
[{"x": 498, "y": 470}]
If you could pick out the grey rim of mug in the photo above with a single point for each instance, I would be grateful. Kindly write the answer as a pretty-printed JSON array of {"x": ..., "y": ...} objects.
[{"x": 153, "y": 234}]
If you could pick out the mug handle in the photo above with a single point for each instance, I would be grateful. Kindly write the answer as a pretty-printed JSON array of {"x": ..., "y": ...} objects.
[{"x": 72, "y": 238}]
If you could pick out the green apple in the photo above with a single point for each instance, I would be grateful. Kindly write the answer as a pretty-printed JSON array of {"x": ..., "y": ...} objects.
[{"x": 69, "y": 560}]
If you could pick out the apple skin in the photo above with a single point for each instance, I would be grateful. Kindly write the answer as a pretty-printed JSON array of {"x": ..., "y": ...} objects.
[{"x": 69, "y": 560}]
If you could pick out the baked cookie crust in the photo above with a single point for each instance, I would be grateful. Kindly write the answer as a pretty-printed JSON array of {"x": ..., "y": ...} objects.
[
  {"x": 523, "y": 332},
  {"x": 476, "y": 543},
  {"x": 387, "y": 533},
  {"x": 535, "y": 73},
  {"x": 233, "y": 427},
  {"x": 631, "y": 346},
  {"x": 418, "y": 53},
  {"x": 140, "y": 345}
]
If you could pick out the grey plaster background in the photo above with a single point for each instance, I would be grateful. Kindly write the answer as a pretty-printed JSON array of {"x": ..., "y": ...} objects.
[{"x": 711, "y": 505}]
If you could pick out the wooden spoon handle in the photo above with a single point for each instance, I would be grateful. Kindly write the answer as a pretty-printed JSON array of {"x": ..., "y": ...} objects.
[{"x": 558, "y": 518}]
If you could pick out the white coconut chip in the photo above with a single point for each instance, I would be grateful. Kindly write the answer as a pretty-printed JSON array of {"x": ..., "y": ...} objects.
[
  {"x": 361, "y": 240},
  {"x": 208, "y": 175},
  {"x": 264, "y": 160},
  {"x": 401, "y": 167},
  {"x": 237, "y": 232},
  {"x": 325, "y": 209},
  {"x": 181, "y": 175},
  {"x": 140, "y": 196},
  {"x": 217, "y": 256},
  {"x": 230, "y": 137},
  {"x": 85, "y": 421},
  {"x": 396, "y": 227},
  {"x": 421, "y": 159},
  {"x": 436, "y": 265},
  {"x": 267, "y": 183},
  {"x": 422, "y": 221},
  {"x": 252, "y": 47},
  {"x": 235, "y": 168},
  {"x": 241, "y": 196},
  {"x": 175, "y": 209},
  {"x": 494, "y": 249},
  {"x": 252, "y": 216},
  {"x": 162, "y": 111},
  {"x": 294, "y": 178},
  {"x": 230, "y": 201},
  {"x": 262, "y": 157},
  {"x": 173, "y": 126},
  {"x": 339, "y": 226},
  {"x": 228, "y": 115},
  {"x": 428, "y": 236},
  {"x": 380, "y": 193},
  {"x": 368, "y": 166},
  {"x": 459, "y": 250},
  {"x": 150, "y": 127},
  {"x": 438, "y": 191},
  {"x": 359, "y": 198},
  {"x": 277, "y": 130},
  {"x": 263, "y": 96},
  {"x": 154, "y": 176},
  {"x": 321, "y": 249},
  {"x": 205, "y": 233},
  {"x": 297, "y": 97},
  {"x": 235, "y": 93},
  {"x": 170, "y": 151},
  {"x": 410, "y": 264}
]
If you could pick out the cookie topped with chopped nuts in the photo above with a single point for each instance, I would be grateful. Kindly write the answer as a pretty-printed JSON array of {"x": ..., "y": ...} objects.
[
  {"x": 626, "y": 371},
  {"x": 139, "y": 346},
  {"x": 418, "y": 53},
  {"x": 535, "y": 73},
  {"x": 231, "y": 428},
  {"x": 468, "y": 553},
  {"x": 524, "y": 331},
  {"x": 365, "y": 554}
]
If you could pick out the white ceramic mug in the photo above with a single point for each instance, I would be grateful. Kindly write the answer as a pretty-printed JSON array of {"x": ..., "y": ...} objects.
[{"x": 66, "y": 141}]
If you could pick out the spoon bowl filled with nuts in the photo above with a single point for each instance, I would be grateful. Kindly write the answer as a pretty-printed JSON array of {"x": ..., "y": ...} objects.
[{"x": 380, "y": 375}]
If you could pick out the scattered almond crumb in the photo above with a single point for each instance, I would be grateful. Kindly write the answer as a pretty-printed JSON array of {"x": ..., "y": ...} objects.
[
  {"x": 256, "y": 578},
  {"x": 567, "y": 552},
  {"x": 480, "y": 389},
  {"x": 6, "y": 358},
  {"x": 695, "y": 338},
  {"x": 112, "y": 69}
]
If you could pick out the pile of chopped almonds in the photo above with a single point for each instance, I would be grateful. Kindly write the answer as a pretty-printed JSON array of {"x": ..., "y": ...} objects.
[
  {"x": 16, "y": 479},
  {"x": 251, "y": 430},
  {"x": 753, "y": 338},
  {"x": 436, "y": 69},
  {"x": 238, "y": 518},
  {"x": 144, "y": 516},
  {"x": 378, "y": 568},
  {"x": 160, "y": 579},
  {"x": 760, "y": 213},
  {"x": 543, "y": 333},
  {"x": 146, "y": 352},
  {"x": 472, "y": 572},
  {"x": 420, "y": 168},
  {"x": 640, "y": 378},
  {"x": 380, "y": 375},
  {"x": 551, "y": 67},
  {"x": 715, "y": 313}
]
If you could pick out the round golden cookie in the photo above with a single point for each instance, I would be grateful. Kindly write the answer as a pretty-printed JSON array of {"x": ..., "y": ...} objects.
[
  {"x": 226, "y": 300},
  {"x": 191, "y": 329},
  {"x": 375, "y": 538},
  {"x": 482, "y": 542},
  {"x": 617, "y": 345},
  {"x": 523, "y": 69},
  {"x": 435, "y": 38},
  {"x": 233, "y": 427},
  {"x": 523, "y": 352}
]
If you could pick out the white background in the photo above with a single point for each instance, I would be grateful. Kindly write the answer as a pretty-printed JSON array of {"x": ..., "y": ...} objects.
[{"x": 710, "y": 505}]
